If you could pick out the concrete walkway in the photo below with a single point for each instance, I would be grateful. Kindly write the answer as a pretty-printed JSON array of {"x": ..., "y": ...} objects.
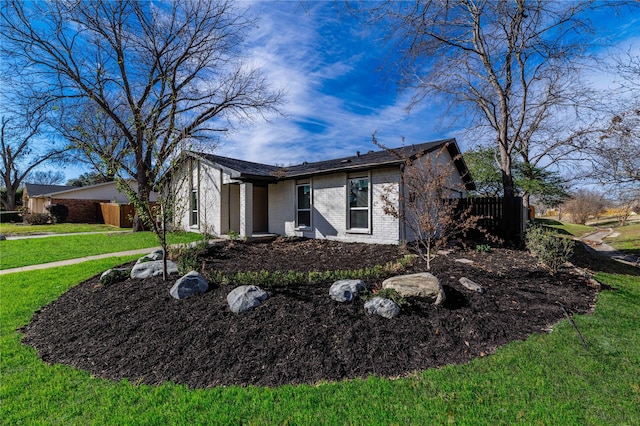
[
  {"x": 594, "y": 242},
  {"x": 78, "y": 260},
  {"x": 28, "y": 237},
  {"x": 137, "y": 252}
]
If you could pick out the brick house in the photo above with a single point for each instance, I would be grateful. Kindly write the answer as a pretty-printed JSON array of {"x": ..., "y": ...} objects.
[
  {"x": 83, "y": 201},
  {"x": 336, "y": 199}
]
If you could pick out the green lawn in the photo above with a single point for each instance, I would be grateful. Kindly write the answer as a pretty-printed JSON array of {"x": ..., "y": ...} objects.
[
  {"x": 547, "y": 379},
  {"x": 628, "y": 240},
  {"x": 59, "y": 228},
  {"x": 566, "y": 228},
  {"x": 17, "y": 253}
]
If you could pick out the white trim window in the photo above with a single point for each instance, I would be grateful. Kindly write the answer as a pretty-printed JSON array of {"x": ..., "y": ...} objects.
[
  {"x": 359, "y": 202},
  {"x": 303, "y": 205},
  {"x": 194, "y": 207},
  {"x": 194, "y": 193}
]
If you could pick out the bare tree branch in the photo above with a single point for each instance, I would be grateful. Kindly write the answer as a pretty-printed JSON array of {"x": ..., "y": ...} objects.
[{"x": 163, "y": 73}]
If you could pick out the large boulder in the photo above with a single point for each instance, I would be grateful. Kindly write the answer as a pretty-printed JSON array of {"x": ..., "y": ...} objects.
[
  {"x": 386, "y": 308},
  {"x": 245, "y": 297},
  {"x": 345, "y": 290},
  {"x": 188, "y": 285},
  {"x": 422, "y": 284},
  {"x": 142, "y": 270}
]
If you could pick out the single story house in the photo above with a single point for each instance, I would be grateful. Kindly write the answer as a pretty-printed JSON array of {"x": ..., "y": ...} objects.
[
  {"x": 336, "y": 199},
  {"x": 83, "y": 201}
]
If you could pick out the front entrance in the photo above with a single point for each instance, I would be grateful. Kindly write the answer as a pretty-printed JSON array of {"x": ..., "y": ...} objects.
[
  {"x": 260, "y": 209},
  {"x": 259, "y": 205}
]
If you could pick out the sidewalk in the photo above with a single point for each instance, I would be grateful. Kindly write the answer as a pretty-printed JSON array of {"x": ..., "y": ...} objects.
[
  {"x": 94, "y": 257},
  {"x": 27, "y": 237},
  {"x": 595, "y": 243},
  {"x": 78, "y": 260}
]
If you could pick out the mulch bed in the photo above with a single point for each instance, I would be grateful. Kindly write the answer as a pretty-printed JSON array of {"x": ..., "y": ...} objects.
[{"x": 136, "y": 330}]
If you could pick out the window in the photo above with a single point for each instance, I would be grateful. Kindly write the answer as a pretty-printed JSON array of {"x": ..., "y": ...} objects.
[
  {"x": 359, "y": 203},
  {"x": 194, "y": 207},
  {"x": 303, "y": 205}
]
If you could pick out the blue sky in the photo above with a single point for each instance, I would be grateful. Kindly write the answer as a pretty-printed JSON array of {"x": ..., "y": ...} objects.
[{"x": 336, "y": 95}]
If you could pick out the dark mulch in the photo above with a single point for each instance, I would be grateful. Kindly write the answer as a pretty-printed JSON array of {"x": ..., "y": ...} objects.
[{"x": 136, "y": 330}]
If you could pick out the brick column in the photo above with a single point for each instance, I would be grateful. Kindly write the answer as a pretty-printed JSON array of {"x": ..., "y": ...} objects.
[{"x": 246, "y": 210}]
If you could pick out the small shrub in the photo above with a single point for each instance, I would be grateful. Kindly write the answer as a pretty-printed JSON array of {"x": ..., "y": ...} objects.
[
  {"x": 187, "y": 257},
  {"x": 483, "y": 248},
  {"x": 116, "y": 276},
  {"x": 281, "y": 279},
  {"x": 551, "y": 250},
  {"x": 36, "y": 219},
  {"x": 58, "y": 212},
  {"x": 385, "y": 293}
]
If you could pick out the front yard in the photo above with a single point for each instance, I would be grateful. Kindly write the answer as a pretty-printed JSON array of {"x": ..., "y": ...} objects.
[{"x": 547, "y": 379}]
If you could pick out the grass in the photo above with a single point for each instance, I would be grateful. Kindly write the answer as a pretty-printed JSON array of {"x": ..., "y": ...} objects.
[
  {"x": 59, "y": 228},
  {"x": 547, "y": 379},
  {"x": 565, "y": 228},
  {"x": 17, "y": 253},
  {"x": 628, "y": 240}
]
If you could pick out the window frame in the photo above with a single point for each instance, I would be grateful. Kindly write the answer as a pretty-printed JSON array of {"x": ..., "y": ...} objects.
[
  {"x": 298, "y": 185},
  {"x": 357, "y": 177},
  {"x": 194, "y": 196}
]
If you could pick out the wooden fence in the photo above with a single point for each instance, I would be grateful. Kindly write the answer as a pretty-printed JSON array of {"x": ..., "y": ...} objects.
[
  {"x": 502, "y": 217},
  {"x": 119, "y": 215}
]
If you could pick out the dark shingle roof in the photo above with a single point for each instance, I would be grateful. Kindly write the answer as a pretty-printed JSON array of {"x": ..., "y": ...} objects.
[
  {"x": 241, "y": 169},
  {"x": 368, "y": 160},
  {"x": 34, "y": 189},
  {"x": 246, "y": 170}
]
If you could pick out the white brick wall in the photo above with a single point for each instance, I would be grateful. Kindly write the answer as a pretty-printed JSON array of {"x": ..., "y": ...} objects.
[
  {"x": 329, "y": 212},
  {"x": 208, "y": 180},
  {"x": 281, "y": 208},
  {"x": 329, "y": 205}
]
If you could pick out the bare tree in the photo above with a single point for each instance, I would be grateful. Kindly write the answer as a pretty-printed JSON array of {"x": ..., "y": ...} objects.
[
  {"x": 512, "y": 67},
  {"x": 95, "y": 139},
  {"x": 585, "y": 204},
  {"x": 164, "y": 73},
  {"x": 49, "y": 177},
  {"x": 425, "y": 205},
  {"x": 615, "y": 150},
  {"x": 22, "y": 151}
]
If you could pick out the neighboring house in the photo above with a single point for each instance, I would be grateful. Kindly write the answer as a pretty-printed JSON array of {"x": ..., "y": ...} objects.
[
  {"x": 83, "y": 201},
  {"x": 335, "y": 199}
]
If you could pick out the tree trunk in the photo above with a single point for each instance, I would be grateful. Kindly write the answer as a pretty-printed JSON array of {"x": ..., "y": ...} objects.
[
  {"x": 143, "y": 199},
  {"x": 507, "y": 184},
  {"x": 10, "y": 203}
]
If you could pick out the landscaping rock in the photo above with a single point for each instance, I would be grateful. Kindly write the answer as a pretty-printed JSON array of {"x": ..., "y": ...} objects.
[
  {"x": 114, "y": 275},
  {"x": 154, "y": 255},
  {"x": 245, "y": 297},
  {"x": 190, "y": 284},
  {"x": 422, "y": 284},
  {"x": 386, "y": 308},
  {"x": 2, "y": 237},
  {"x": 467, "y": 283},
  {"x": 142, "y": 270},
  {"x": 345, "y": 290}
]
